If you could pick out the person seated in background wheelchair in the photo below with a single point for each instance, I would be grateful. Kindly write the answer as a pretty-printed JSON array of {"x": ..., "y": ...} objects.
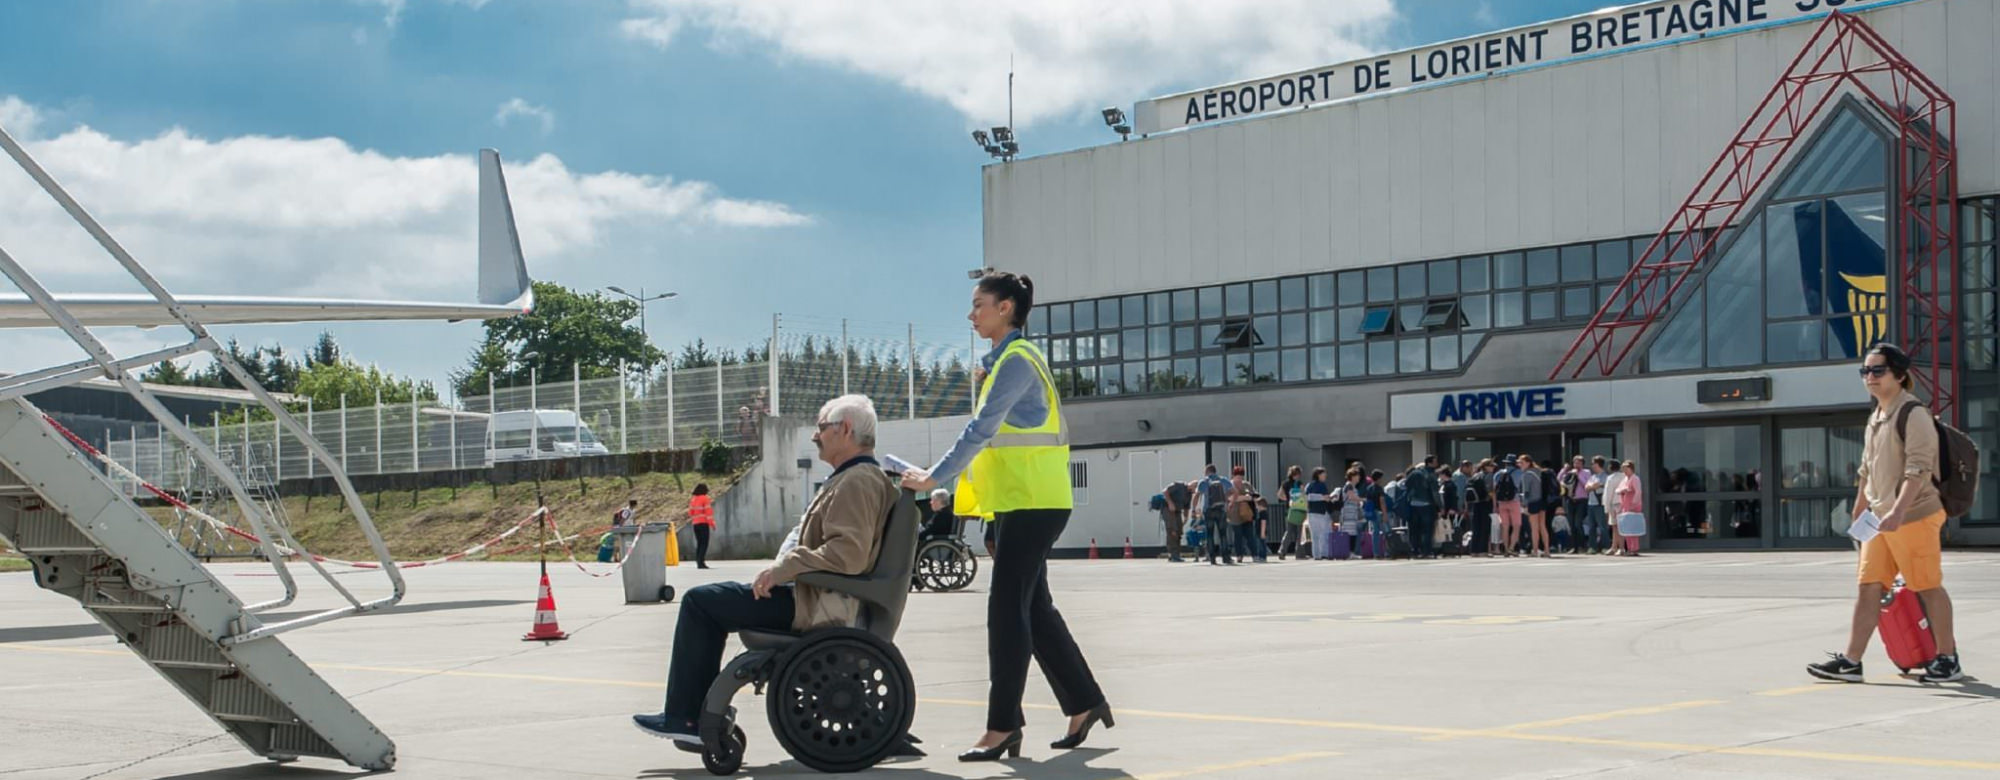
[
  {"x": 942, "y": 524},
  {"x": 840, "y": 533}
]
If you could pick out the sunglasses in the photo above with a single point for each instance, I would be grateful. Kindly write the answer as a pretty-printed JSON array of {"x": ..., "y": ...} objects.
[{"x": 1874, "y": 370}]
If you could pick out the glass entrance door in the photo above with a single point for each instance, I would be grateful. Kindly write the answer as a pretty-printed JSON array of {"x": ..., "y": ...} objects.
[{"x": 1706, "y": 484}]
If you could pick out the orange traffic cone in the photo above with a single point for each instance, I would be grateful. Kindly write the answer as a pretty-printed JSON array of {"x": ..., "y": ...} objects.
[
  {"x": 1093, "y": 548},
  {"x": 545, "y": 629},
  {"x": 1128, "y": 548}
]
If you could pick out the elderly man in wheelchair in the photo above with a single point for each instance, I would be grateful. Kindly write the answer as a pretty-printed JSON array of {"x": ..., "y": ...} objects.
[{"x": 818, "y": 625}]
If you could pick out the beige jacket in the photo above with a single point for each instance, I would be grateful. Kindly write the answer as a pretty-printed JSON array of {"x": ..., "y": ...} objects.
[
  {"x": 1886, "y": 458},
  {"x": 841, "y": 533}
]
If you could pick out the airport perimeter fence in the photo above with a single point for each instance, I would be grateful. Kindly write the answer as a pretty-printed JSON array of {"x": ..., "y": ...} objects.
[{"x": 909, "y": 372}]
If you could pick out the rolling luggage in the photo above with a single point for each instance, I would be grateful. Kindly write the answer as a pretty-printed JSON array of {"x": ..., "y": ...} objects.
[
  {"x": 1342, "y": 548},
  {"x": 1398, "y": 544},
  {"x": 1367, "y": 546},
  {"x": 1906, "y": 632}
]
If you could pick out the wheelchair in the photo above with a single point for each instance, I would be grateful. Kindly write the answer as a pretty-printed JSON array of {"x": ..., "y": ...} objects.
[
  {"x": 944, "y": 562},
  {"x": 841, "y": 699}
]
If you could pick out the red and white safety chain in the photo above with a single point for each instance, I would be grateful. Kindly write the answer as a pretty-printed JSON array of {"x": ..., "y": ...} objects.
[{"x": 222, "y": 527}]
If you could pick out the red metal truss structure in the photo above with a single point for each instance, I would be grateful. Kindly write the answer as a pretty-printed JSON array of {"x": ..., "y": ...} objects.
[{"x": 1844, "y": 56}]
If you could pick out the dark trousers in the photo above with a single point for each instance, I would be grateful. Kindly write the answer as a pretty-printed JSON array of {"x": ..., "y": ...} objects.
[
  {"x": 1172, "y": 520},
  {"x": 1021, "y": 620},
  {"x": 1423, "y": 530},
  {"x": 1290, "y": 543},
  {"x": 701, "y": 544},
  {"x": 709, "y": 614},
  {"x": 1481, "y": 526},
  {"x": 1217, "y": 531},
  {"x": 1579, "y": 523},
  {"x": 1245, "y": 541}
]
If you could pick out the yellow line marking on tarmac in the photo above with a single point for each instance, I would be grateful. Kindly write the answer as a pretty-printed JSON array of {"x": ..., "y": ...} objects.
[
  {"x": 1214, "y": 768},
  {"x": 1597, "y": 716},
  {"x": 1525, "y": 736}
]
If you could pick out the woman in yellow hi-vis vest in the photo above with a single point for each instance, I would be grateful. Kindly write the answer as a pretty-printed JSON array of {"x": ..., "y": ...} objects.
[{"x": 1012, "y": 462}]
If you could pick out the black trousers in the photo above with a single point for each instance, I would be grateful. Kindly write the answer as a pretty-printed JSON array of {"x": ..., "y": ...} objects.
[
  {"x": 1021, "y": 620},
  {"x": 1481, "y": 526},
  {"x": 709, "y": 614},
  {"x": 701, "y": 544}
]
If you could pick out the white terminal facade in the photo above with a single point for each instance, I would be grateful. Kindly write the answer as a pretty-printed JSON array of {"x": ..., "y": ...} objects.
[{"x": 1397, "y": 271}]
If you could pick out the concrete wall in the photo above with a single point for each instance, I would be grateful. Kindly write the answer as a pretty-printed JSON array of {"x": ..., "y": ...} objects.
[
  {"x": 1596, "y": 149},
  {"x": 752, "y": 518}
]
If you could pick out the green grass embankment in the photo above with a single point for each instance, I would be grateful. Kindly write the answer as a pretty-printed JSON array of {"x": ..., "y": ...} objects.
[{"x": 419, "y": 525}]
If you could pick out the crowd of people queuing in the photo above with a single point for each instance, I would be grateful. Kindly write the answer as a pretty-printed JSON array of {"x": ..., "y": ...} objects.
[{"x": 1514, "y": 506}]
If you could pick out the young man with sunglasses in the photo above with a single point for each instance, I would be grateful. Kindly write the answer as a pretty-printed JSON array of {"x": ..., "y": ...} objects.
[{"x": 1895, "y": 482}]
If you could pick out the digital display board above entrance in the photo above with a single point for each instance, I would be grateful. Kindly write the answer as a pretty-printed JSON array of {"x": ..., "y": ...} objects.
[{"x": 1609, "y": 30}]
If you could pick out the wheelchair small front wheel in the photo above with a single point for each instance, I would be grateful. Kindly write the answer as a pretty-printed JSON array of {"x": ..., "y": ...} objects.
[
  {"x": 726, "y": 756},
  {"x": 842, "y": 701}
]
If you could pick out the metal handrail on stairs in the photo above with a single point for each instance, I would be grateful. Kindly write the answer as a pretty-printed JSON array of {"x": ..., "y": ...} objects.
[{"x": 102, "y": 363}]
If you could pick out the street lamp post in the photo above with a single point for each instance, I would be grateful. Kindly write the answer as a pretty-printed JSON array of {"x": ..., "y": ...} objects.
[{"x": 642, "y": 299}]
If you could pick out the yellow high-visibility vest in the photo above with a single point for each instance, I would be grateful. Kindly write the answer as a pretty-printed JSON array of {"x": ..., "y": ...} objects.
[{"x": 1021, "y": 468}]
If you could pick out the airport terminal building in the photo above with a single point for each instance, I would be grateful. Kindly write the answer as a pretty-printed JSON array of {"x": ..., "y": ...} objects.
[{"x": 1662, "y": 232}]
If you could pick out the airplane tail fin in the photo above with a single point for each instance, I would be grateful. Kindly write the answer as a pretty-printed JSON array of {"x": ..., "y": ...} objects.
[{"x": 503, "y": 272}]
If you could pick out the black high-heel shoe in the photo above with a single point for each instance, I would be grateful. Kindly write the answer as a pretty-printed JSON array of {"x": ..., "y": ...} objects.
[
  {"x": 1100, "y": 712},
  {"x": 1011, "y": 746}
]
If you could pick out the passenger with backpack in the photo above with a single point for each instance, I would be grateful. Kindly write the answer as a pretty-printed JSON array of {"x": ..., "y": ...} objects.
[
  {"x": 1915, "y": 472},
  {"x": 1293, "y": 493},
  {"x": 1214, "y": 496},
  {"x": 1538, "y": 491},
  {"x": 1420, "y": 495},
  {"x": 1479, "y": 500},
  {"x": 1507, "y": 503},
  {"x": 1319, "y": 516},
  {"x": 1375, "y": 511},
  {"x": 1353, "y": 514}
]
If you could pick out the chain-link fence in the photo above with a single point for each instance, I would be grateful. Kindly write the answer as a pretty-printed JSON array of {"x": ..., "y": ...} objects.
[{"x": 671, "y": 407}]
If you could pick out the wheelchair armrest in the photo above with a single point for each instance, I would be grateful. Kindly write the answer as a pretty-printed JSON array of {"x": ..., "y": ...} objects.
[{"x": 850, "y": 584}]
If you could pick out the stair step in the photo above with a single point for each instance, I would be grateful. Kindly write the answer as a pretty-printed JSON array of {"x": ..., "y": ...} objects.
[
  {"x": 297, "y": 740},
  {"x": 45, "y": 531},
  {"x": 106, "y": 595},
  {"x": 178, "y": 646},
  {"x": 237, "y": 698}
]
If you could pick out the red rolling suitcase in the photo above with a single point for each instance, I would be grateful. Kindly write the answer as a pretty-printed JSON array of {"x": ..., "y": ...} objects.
[{"x": 1906, "y": 633}]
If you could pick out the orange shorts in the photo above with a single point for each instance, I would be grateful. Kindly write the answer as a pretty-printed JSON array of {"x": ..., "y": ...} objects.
[{"x": 1911, "y": 550}]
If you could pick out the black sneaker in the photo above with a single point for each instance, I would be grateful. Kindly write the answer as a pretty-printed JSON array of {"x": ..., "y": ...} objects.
[
  {"x": 1837, "y": 668},
  {"x": 682, "y": 733},
  {"x": 1943, "y": 669}
]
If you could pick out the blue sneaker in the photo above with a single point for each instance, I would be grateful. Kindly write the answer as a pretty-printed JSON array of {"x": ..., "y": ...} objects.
[{"x": 682, "y": 733}]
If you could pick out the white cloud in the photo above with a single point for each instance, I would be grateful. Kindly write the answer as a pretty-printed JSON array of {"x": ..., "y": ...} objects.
[
  {"x": 522, "y": 108},
  {"x": 317, "y": 217},
  {"x": 19, "y": 118},
  {"x": 1070, "y": 57}
]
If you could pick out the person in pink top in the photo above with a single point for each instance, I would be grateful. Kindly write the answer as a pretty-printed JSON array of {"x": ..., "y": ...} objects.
[{"x": 1630, "y": 497}]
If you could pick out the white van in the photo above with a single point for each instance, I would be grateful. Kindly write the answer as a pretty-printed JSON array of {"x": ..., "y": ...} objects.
[{"x": 539, "y": 434}]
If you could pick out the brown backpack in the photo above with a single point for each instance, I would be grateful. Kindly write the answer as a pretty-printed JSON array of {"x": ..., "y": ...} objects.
[{"x": 1957, "y": 478}]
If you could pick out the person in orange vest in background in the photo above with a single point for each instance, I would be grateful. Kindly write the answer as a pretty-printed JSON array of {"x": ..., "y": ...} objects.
[{"x": 701, "y": 513}]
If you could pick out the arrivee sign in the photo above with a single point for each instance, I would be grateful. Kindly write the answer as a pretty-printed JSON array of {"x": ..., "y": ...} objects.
[{"x": 1609, "y": 30}]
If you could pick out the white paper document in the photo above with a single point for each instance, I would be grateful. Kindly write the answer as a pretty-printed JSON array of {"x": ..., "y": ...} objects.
[
  {"x": 1865, "y": 527},
  {"x": 896, "y": 465}
]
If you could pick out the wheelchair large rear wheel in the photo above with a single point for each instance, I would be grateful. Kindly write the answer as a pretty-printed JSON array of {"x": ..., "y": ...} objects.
[
  {"x": 943, "y": 565},
  {"x": 842, "y": 700}
]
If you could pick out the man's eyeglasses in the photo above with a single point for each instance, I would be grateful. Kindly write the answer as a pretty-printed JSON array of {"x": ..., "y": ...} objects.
[{"x": 1874, "y": 370}]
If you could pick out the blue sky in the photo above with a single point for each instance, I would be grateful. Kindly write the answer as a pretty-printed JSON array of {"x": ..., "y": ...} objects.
[{"x": 754, "y": 156}]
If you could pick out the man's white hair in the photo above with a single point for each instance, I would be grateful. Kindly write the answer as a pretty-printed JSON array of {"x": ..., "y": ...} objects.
[{"x": 855, "y": 410}]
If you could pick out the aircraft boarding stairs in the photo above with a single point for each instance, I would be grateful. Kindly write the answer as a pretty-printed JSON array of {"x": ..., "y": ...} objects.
[{"x": 89, "y": 542}]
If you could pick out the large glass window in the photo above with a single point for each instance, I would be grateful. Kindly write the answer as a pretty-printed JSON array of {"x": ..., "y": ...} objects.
[
  {"x": 1292, "y": 293},
  {"x": 1980, "y": 387},
  {"x": 1808, "y": 273},
  {"x": 1322, "y": 291},
  {"x": 1264, "y": 296},
  {"x": 1381, "y": 284}
]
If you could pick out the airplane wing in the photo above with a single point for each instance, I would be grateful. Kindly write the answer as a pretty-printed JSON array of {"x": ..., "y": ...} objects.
[{"x": 505, "y": 289}]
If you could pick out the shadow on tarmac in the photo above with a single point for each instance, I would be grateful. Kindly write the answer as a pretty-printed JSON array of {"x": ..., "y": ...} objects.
[
  {"x": 82, "y": 630},
  {"x": 1070, "y": 765}
]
